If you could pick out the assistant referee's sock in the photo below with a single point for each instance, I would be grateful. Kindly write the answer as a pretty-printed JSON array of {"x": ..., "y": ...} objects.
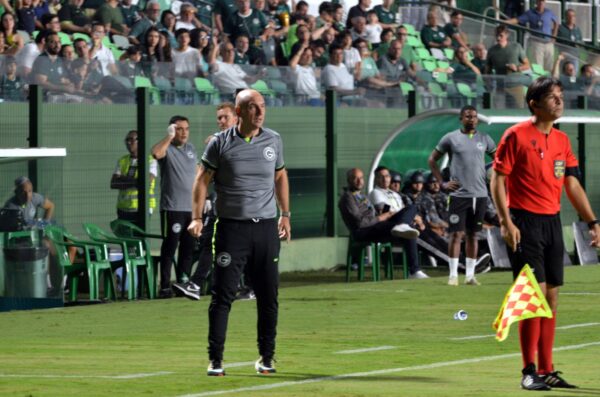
[
  {"x": 529, "y": 336},
  {"x": 453, "y": 265},
  {"x": 545, "y": 344}
]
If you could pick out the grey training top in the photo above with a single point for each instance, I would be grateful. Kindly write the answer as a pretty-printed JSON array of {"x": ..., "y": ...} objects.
[
  {"x": 467, "y": 161},
  {"x": 29, "y": 210},
  {"x": 245, "y": 173},
  {"x": 177, "y": 174}
]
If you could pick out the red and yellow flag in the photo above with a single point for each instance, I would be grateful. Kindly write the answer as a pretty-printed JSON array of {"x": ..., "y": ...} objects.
[{"x": 523, "y": 300}]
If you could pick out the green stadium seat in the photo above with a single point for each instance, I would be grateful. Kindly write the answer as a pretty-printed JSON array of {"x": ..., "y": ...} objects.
[
  {"x": 78, "y": 35},
  {"x": 538, "y": 70},
  {"x": 65, "y": 39},
  {"x": 449, "y": 52},
  {"x": 134, "y": 257},
  {"x": 141, "y": 82},
  {"x": 441, "y": 77},
  {"x": 163, "y": 85},
  {"x": 443, "y": 64},
  {"x": 410, "y": 29},
  {"x": 423, "y": 54},
  {"x": 465, "y": 90},
  {"x": 414, "y": 42},
  {"x": 95, "y": 263},
  {"x": 262, "y": 87},
  {"x": 406, "y": 87},
  {"x": 429, "y": 65},
  {"x": 206, "y": 89}
]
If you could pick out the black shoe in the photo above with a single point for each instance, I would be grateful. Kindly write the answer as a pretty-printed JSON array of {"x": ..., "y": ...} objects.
[
  {"x": 215, "y": 368},
  {"x": 247, "y": 295},
  {"x": 189, "y": 290},
  {"x": 165, "y": 293},
  {"x": 265, "y": 366},
  {"x": 531, "y": 380},
  {"x": 483, "y": 264},
  {"x": 554, "y": 380}
]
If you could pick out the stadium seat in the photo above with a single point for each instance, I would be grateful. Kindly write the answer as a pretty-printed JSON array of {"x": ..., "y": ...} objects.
[
  {"x": 410, "y": 29},
  {"x": 206, "y": 89},
  {"x": 539, "y": 70},
  {"x": 134, "y": 257},
  {"x": 438, "y": 54},
  {"x": 406, "y": 87},
  {"x": 423, "y": 54},
  {"x": 141, "y": 81},
  {"x": 165, "y": 89},
  {"x": 414, "y": 42},
  {"x": 65, "y": 39},
  {"x": 262, "y": 87},
  {"x": 429, "y": 65},
  {"x": 95, "y": 262},
  {"x": 25, "y": 36},
  {"x": 78, "y": 35},
  {"x": 184, "y": 91},
  {"x": 449, "y": 52},
  {"x": 121, "y": 42},
  {"x": 466, "y": 91}
]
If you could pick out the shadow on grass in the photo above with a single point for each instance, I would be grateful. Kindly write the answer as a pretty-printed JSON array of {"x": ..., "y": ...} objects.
[{"x": 299, "y": 377}]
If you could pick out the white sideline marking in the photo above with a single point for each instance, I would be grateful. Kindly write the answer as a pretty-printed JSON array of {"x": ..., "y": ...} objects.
[
  {"x": 580, "y": 293},
  {"x": 379, "y": 372},
  {"x": 128, "y": 376},
  {"x": 492, "y": 335},
  {"x": 369, "y": 349}
]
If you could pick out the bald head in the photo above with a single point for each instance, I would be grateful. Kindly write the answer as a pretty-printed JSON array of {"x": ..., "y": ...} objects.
[
  {"x": 250, "y": 108},
  {"x": 355, "y": 178}
]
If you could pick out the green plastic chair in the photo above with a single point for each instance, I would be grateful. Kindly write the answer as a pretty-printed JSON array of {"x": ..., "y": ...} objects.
[
  {"x": 414, "y": 42},
  {"x": 165, "y": 89},
  {"x": 424, "y": 55},
  {"x": 449, "y": 53},
  {"x": 95, "y": 264},
  {"x": 466, "y": 91},
  {"x": 141, "y": 81},
  {"x": 361, "y": 248},
  {"x": 184, "y": 91},
  {"x": 406, "y": 87},
  {"x": 206, "y": 89},
  {"x": 443, "y": 64},
  {"x": 65, "y": 39},
  {"x": 539, "y": 70},
  {"x": 441, "y": 77},
  {"x": 410, "y": 29},
  {"x": 262, "y": 87},
  {"x": 429, "y": 65},
  {"x": 78, "y": 35},
  {"x": 134, "y": 256}
]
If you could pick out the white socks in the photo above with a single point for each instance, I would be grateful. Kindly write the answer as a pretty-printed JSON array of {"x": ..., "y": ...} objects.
[
  {"x": 470, "y": 265},
  {"x": 453, "y": 264}
]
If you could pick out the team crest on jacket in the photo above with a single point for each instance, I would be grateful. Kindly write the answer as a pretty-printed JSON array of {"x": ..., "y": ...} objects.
[
  {"x": 559, "y": 168},
  {"x": 269, "y": 153}
]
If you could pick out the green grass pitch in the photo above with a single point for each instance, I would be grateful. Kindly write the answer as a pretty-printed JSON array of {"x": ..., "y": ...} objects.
[{"x": 158, "y": 348}]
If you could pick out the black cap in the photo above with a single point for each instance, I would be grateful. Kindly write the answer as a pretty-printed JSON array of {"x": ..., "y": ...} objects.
[
  {"x": 396, "y": 177},
  {"x": 417, "y": 177},
  {"x": 430, "y": 178}
]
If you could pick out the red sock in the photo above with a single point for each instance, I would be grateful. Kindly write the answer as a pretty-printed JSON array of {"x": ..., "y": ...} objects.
[
  {"x": 529, "y": 335},
  {"x": 546, "y": 343}
]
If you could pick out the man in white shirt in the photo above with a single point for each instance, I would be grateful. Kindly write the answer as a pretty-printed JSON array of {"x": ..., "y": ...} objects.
[
  {"x": 29, "y": 53},
  {"x": 306, "y": 81},
  {"x": 101, "y": 53},
  {"x": 227, "y": 76},
  {"x": 336, "y": 75},
  {"x": 186, "y": 60}
]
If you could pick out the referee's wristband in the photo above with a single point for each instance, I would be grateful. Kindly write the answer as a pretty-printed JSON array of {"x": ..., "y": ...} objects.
[
  {"x": 286, "y": 214},
  {"x": 593, "y": 223},
  {"x": 196, "y": 219}
]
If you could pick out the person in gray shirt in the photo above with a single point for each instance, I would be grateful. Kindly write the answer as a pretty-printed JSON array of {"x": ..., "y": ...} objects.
[
  {"x": 27, "y": 202},
  {"x": 246, "y": 162},
  {"x": 467, "y": 148},
  {"x": 178, "y": 164}
]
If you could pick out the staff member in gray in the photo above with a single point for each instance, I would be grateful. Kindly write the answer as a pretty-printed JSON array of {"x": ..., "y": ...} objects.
[
  {"x": 247, "y": 164},
  {"x": 467, "y": 148},
  {"x": 178, "y": 164}
]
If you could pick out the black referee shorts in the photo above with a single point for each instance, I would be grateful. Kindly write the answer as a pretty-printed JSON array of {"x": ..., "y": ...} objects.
[
  {"x": 541, "y": 247},
  {"x": 466, "y": 213}
]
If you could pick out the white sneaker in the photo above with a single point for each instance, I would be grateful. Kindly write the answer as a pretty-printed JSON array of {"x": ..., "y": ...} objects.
[
  {"x": 472, "y": 281},
  {"x": 404, "y": 231},
  {"x": 453, "y": 281},
  {"x": 419, "y": 275}
]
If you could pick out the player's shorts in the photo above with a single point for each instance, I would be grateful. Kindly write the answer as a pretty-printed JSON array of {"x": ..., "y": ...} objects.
[
  {"x": 466, "y": 213},
  {"x": 541, "y": 247}
]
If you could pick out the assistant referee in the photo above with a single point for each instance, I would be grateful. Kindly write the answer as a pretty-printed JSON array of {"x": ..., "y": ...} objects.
[{"x": 246, "y": 162}]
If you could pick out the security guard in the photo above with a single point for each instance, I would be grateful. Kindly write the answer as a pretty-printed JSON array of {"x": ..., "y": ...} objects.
[
  {"x": 125, "y": 177},
  {"x": 247, "y": 164}
]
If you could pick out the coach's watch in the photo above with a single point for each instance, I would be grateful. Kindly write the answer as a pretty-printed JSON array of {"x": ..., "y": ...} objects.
[
  {"x": 593, "y": 223},
  {"x": 287, "y": 214}
]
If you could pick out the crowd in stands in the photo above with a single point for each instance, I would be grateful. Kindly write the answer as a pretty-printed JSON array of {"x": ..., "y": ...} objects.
[{"x": 95, "y": 50}]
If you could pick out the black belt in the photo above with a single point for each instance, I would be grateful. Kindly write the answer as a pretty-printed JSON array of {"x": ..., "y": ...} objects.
[{"x": 251, "y": 221}]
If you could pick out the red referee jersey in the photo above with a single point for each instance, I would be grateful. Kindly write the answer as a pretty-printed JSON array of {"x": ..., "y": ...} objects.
[{"x": 534, "y": 164}]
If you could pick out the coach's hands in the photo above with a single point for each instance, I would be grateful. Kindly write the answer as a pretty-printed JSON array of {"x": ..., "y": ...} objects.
[
  {"x": 511, "y": 234},
  {"x": 285, "y": 229},
  {"x": 195, "y": 228},
  {"x": 171, "y": 130},
  {"x": 450, "y": 186}
]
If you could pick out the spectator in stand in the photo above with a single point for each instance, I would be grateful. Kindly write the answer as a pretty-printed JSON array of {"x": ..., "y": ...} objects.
[
  {"x": 338, "y": 16},
  {"x": 569, "y": 30},
  {"x": 509, "y": 59},
  {"x": 131, "y": 13},
  {"x": 224, "y": 11},
  {"x": 432, "y": 35},
  {"x": 131, "y": 66},
  {"x": 385, "y": 40},
  {"x": 67, "y": 53},
  {"x": 51, "y": 22},
  {"x": 12, "y": 87},
  {"x": 3, "y": 45},
  {"x": 452, "y": 30},
  {"x": 320, "y": 53},
  {"x": 370, "y": 78},
  {"x": 86, "y": 82},
  {"x": 153, "y": 52},
  {"x": 336, "y": 75},
  {"x": 187, "y": 61},
  {"x": 200, "y": 40},
  {"x": 252, "y": 23},
  {"x": 359, "y": 10},
  {"x": 543, "y": 20},
  {"x": 325, "y": 14},
  {"x": 168, "y": 21},
  {"x": 368, "y": 224},
  {"x": 29, "y": 53},
  {"x": 41, "y": 8},
  {"x": 303, "y": 35},
  {"x": 187, "y": 18},
  {"x": 305, "y": 80},
  {"x": 49, "y": 72},
  {"x": 386, "y": 17},
  {"x": 590, "y": 82},
  {"x": 73, "y": 18},
  {"x": 359, "y": 28},
  {"x": 393, "y": 68},
  {"x": 351, "y": 54},
  {"x": 242, "y": 44},
  {"x": 100, "y": 52},
  {"x": 464, "y": 70},
  {"x": 300, "y": 12},
  {"x": 13, "y": 40},
  {"x": 566, "y": 73},
  {"x": 26, "y": 16},
  {"x": 111, "y": 17},
  {"x": 150, "y": 20},
  {"x": 227, "y": 76},
  {"x": 5, "y": 5},
  {"x": 373, "y": 29},
  {"x": 479, "y": 57}
]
